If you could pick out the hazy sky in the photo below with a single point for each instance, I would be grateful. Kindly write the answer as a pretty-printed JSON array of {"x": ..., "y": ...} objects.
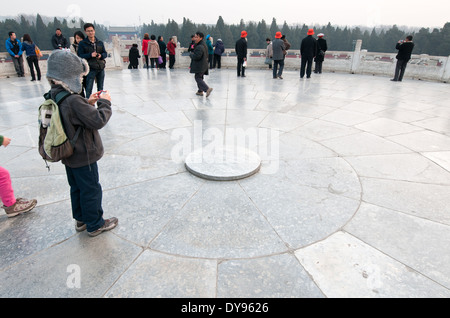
[{"x": 414, "y": 13}]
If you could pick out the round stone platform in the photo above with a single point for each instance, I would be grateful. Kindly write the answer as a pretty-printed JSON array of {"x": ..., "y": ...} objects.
[{"x": 223, "y": 164}]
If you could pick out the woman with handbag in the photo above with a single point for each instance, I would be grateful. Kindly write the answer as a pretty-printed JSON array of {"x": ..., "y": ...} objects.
[
  {"x": 153, "y": 51},
  {"x": 32, "y": 52}
]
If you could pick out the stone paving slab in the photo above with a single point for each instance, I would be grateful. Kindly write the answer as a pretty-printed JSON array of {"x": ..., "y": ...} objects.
[{"x": 350, "y": 201}]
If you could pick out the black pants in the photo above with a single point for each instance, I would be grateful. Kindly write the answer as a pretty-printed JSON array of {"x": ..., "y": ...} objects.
[
  {"x": 217, "y": 61},
  {"x": 276, "y": 64},
  {"x": 153, "y": 62},
  {"x": 211, "y": 60},
  {"x": 171, "y": 61},
  {"x": 86, "y": 196},
  {"x": 318, "y": 67},
  {"x": 33, "y": 63},
  {"x": 240, "y": 68},
  {"x": 400, "y": 70},
  {"x": 18, "y": 65},
  {"x": 306, "y": 63},
  {"x": 202, "y": 86}
]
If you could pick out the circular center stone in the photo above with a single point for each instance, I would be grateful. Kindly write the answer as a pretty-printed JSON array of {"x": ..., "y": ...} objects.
[{"x": 223, "y": 164}]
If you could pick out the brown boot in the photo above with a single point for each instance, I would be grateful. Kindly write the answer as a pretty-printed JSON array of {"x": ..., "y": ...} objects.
[{"x": 109, "y": 225}]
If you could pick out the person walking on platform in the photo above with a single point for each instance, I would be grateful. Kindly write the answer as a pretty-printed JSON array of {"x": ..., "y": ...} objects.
[
  {"x": 64, "y": 73},
  {"x": 269, "y": 53},
  {"x": 14, "y": 48},
  {"x": 210, "y": 47},
  {"x": 162, "y": 51},
  {"x": 308, "y": 50},
  {"x": 241, "y": 52},
  {"x": 153, "y": 51},
  {"x": 219, "y": 49},
  {"x": 93, "y": 51},
  {"x": 321, "y": 49},
  {"x": 145, "y": 41},
  {"x": 199, "y": 64},
  {"x": 405, "y": 49},
  {"x": 171, "y": 46},
  {"x": 32, "y": 59},
  {"x": 278, "y": 48}
]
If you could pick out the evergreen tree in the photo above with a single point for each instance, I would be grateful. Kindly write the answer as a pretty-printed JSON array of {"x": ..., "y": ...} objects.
[
  {"x": 274, "y": 28},
  {"x": 172, "y": 29},
  {"x": 43, "y": 36},
  {"x": 254, "y": 40},
  {"x": 187, "y": 30},
  {"x": 443, "y": 43},
  {"x": 432, "y": 42}
]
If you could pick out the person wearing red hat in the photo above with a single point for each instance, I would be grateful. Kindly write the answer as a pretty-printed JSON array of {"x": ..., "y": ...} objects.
[
  {"x": 241, "y": 52},
  {"x": 278, "y": 55},
  {"x": 308, "y": 50}
]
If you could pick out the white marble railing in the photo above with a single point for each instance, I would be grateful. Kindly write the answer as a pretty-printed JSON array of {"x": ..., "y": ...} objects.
[{"x": 421, "y": 67}]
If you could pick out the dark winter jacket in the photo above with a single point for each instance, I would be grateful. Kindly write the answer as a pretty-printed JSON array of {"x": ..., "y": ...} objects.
[
  {"x": 59, "y": 42},
  {"x": 162, "y": 47},
  {"x": 278, "y": 49},
  {"x": 321, "y": 46},
  {"x": 85, "y": 50},
  {"x": 29, "y": 48},
  {"x": 133, "y": 56},
  {"x": 76, "y": 111},
  {"x": 241, "y": 48},
  {"x": 404, "y": 50},
  {"x": 220, "y": 48},
  {"x": 199, "y": 58},
  {"x": 308, "y": 48},
  {"x": 13, "y": 48}
]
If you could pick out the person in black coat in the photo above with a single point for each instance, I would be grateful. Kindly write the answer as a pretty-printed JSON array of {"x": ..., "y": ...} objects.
[
  {"x": 308, "y": 51},
  {"x": 199, "y": 64},
  {"x": 218, "y": 51},
  {"x": 321, "y": 49},
  {"x": 241, "y": 52},
  {"x": 405, "y": 49},
  {"x": 133, "y": 56},
  {"x": 162, "y": 50},
  {"x": 59, "y": 42}
]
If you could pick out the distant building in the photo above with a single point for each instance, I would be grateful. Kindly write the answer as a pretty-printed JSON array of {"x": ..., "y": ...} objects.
[
  {"x": 127, "y": 36},
  {"x": 124, "y": 33}
]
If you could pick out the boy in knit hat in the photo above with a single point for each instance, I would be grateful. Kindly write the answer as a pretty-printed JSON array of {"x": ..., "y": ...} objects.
[{"x": 64, "y": 72}]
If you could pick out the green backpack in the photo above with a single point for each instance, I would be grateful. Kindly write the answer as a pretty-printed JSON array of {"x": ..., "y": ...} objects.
[{"x": 54, "y": 144}]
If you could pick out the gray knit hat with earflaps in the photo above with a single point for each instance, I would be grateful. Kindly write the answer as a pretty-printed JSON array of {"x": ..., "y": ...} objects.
[{"x": 67, "y": 69}]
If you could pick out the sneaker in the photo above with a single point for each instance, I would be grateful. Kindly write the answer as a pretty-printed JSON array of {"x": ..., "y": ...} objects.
[
  {"x": 199, "y": 93},
  {"x": 280, "y": 77},
  {"x": 80, "y": 226},
  {"x": 21, "y": 206},
  {"x": 109, "y": 225},
  {"x": 208, "y": 92}
]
